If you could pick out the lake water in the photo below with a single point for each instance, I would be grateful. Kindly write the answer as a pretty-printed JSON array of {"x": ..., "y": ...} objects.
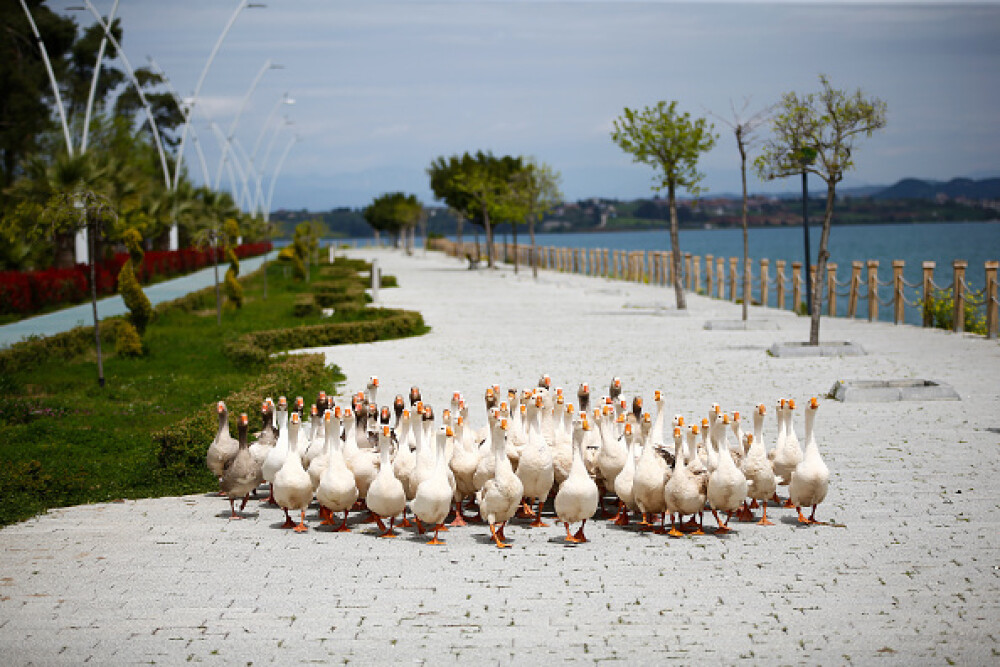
[{"x": 975, "y": 242}]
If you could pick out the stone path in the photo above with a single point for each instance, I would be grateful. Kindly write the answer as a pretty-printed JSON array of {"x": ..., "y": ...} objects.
[
  {"x": 911, "y": 573},
  {"x": 83, "y": 314}
]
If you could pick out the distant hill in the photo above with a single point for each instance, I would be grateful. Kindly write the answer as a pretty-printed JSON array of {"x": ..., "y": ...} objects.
[{"x": 915, "y": 188}]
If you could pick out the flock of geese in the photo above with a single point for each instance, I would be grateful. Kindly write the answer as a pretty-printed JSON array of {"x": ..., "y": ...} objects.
[{"x": 535, "y": 446}]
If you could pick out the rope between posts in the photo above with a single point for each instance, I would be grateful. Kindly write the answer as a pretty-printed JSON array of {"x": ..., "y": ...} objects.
[
  {"x": 884, "y": 302},
  {"x": 913, "y": 285},
  {"x": 846, "y": 294},
  {"x": 881, "y": 283}
]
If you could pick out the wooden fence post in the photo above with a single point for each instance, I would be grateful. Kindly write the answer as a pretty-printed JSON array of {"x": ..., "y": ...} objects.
[
  {"x": 709, "y": 266},
  {"x": 697, "y": 273},
  {"x": 990, "y": 291},
  {"x": 779, "y": 279},
  {"x": 928, "y": 289},
  {"x": 687, "y": 271},
  {"x": 720, "y": 275},
  {"x": 796, "y": 286},
  {"x": 872, "y": 290},
  {"x": 959, "y": 266},
  {"x": 852, "y": 298},
  {"x": 831, "y": 289},
  {"x": 764, "y": 292},
  {"x": 897, "y": 291},
  {"x": 732, "y": 278}
]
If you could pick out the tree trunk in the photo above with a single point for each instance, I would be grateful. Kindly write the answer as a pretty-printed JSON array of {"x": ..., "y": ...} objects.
[
  {"x": 513, "y": 227},
  {"x": 817, "y": 292},
  {"x": 92, "y": 235},
  {"x": 489, "y": 238},
  {"x": 746, "y": 243},
  {"x": 675, "y": 246},
  {"x": 534, "y": 250}
]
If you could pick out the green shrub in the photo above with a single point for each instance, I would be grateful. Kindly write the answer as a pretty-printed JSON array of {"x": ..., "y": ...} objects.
[
  {"x": 234, "y": 291},
  {"x": 64, "y": 346},
  {"x": 941, "y": 307},
  {"x": 127, "y": 340},
  {"x": 387, "y": 281},
  {"x": 139, "y": 307},
  {"x": 181, "y": 447},
  {"x": 305, "y": 305},
  {"x": 255, "y": 347}
]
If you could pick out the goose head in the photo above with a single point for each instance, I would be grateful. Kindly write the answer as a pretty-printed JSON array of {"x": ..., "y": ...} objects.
[
  {"x": 491, "y": 399},
  {"x": 384, "y": 415},
  {"x": 242, "y": 428},
  {"x": 616, "y": 388},
  {"x": 583, "y": 396},
  {"x": 414, "y": 395},
  {"x": 322, "y": 402},
  {"x": 300, "y": 406},
  {"x": 545, "y": 382},
  {"x": 398, "y": 405},
  {"x": 372, "y": 389},
  {"x": 223, "y": 412},
  {"x": 646, "y": 425}
]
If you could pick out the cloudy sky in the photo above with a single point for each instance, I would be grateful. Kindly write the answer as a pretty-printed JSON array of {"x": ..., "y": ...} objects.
[{"x": 381, "y": 88}]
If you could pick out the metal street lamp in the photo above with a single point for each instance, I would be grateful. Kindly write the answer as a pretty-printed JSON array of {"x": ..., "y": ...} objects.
[
  {"x": 236, "y": 120},
  {"x": 52, "y": 78}
]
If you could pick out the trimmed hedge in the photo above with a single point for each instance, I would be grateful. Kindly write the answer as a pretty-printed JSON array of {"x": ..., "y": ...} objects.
[
  {"x": 305, "y": 305},
  {"x": 66, "y": 345},
  {"x": 180, "y": 448},
  {"x": 255, "y": 347},
  {"x": 70, "y": 344}
]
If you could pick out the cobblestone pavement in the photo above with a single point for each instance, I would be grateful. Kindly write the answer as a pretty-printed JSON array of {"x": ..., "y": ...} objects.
[{"x": 909, "y": 572}]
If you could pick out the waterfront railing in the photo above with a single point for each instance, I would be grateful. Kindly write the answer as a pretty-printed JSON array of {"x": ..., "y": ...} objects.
[{"x": 721, "y": 278}]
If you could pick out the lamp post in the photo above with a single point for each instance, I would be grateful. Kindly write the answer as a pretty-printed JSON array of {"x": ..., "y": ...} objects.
[
  {"x": 236, "y": 120},
  {"x": 194, "y": 99},
  {"x": 274, "y": 178},
  {"x": 52, "y": 78},
  {"x": 263, "y": 163}
]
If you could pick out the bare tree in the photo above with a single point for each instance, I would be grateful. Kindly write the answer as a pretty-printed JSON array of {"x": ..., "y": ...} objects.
[{"x": 744, "y": 125}]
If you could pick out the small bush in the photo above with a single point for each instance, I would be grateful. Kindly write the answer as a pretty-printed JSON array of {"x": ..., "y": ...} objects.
[
  {"x": 305, "y": 305},
  {"x": 941, "y": 306},
  {"x": 388, "y": 281},
  {"x": 139, "y": 307},
  {"x": 127, "y": 340}
]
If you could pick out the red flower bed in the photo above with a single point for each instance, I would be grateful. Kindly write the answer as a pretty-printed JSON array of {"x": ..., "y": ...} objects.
[{"x": 30, "y": 291}]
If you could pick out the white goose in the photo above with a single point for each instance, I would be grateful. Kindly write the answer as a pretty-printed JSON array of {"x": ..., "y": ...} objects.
[
  {"x": 433, "y": 498},
  {"x": 611, "y": 457},
  {"x": 464, "y": 461},
  {"x": 337, "y": 491},
  {"x": 292, "y": 486},
  {"x": 624, "y": 483},
  {"x": 811, "y": 478},
  {"x": 577, "y": 497},
  {"x": 788, "y": 454},
  {"x": 500, "y": 496},
  {"x": 683, "y": 493},
  {"x": 727, "y": 487},
  {"x": 761, "y": 483},
  {"x": 276, "y": 457},
  {"x": 535, "y": 468},
  {"x": 650, "y": 477},
  {"x": 386, "y": 497}
]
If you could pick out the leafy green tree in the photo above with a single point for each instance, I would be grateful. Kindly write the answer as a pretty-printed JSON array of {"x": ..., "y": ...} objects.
[
  {"x": 671, "y": 142},
  {"x": 536, "y": 187},
  {"x": 25, "y": 91},
  {"x": 393, "y": 213},
  {"x": 818, "y": 133}
]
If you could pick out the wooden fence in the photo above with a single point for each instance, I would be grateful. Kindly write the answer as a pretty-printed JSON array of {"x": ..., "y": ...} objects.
[{"x": 719, "y": 276}]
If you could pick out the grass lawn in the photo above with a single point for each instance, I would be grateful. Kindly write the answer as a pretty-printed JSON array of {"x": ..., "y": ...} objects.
[{"x": 65, "y": 441}]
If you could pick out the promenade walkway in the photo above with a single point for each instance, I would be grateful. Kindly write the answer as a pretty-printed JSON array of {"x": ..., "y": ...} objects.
[
  {"x": 83, "y": 314},
  {"x": 909, "y": 573}
]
